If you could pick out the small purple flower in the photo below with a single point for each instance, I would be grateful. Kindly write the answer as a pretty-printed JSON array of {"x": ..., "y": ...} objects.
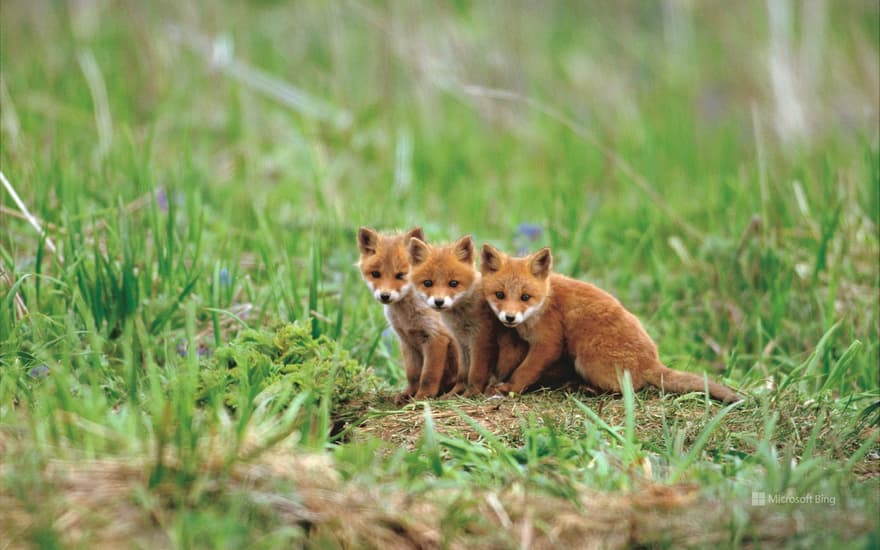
[
  {"x": 526, "y": 235},
  {"x": 529, "y": 230},
  {"x": 39, "y": 372},
  {"x": 224, "y": 277},
  {"x": 388, "y": 336},
  {"x": 162, "y": 199},
  {"x": 183, "y": 349}
]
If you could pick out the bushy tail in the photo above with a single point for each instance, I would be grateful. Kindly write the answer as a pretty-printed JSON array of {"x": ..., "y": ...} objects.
[{"x": 676, "y": 381}]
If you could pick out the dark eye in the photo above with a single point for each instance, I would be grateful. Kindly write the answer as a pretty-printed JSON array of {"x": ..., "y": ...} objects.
[
  {"x": 453, "y": 284},
  {"x": 400, "y": 276},
  {"x": 429, "y": 283},
  {"x": 499, "y": 295},
  {"x": 525, "y": 297},
  {"x": 375, "y": 274}
]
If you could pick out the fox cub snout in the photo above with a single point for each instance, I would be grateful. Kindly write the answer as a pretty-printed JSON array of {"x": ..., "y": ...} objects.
[{"x": 429, "y": 351}]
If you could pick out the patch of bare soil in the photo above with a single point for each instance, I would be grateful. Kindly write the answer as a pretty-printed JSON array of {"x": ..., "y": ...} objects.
[{"x": 503, "y": 416}]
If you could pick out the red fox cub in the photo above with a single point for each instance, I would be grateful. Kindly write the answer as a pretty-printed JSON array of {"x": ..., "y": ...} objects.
[
  {"x": 429, "y": 351},
  {"x": 559, "y": 316},
  {"x": 445, "y": 278}
]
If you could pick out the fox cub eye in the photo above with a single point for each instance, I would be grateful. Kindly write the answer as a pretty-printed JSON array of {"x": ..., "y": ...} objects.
[
  {"x": 429, "y": 283},
  {"x": 453, "y": 284},
  {"x": 375, "y": 274},
  {"x": 525, "y": 297},
  {"x": 400, "y": 276},
  {"x": 499, "y": 295}
]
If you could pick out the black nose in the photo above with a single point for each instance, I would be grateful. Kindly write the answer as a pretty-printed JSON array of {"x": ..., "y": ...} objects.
[
  {"x": 384, "y": 297},
  {"x": 510, "y": 318},
  {"x": 438, "y": 301}
]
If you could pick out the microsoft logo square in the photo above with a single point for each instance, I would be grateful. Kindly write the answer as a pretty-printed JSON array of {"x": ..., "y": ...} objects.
[{"x": 759, "y": 498}]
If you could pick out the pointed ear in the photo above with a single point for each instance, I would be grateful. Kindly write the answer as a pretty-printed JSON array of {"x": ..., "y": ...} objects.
[
  {"x": 541, "y": 262},
  {"x": 490, "y": 258},
  {"x": 368, "y": 239},
  {"x": 418, "y": 251},
  {"x": 464, "y": 249},
  {"x": 415, "y": 232}
]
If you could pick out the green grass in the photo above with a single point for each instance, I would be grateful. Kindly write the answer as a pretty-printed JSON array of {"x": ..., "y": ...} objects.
[{"x": 197, "y": 363}]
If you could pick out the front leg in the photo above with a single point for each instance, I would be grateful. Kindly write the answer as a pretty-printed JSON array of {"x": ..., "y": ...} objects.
[
  {"x": 511, "y": 351},
  {"x": 484, "y": 355},
  {"x": 537, "y": 360},
  {"x": 461, "y": 379},
  {"x": 412, "y": 363},
  {"x": 434, "y": 352}
]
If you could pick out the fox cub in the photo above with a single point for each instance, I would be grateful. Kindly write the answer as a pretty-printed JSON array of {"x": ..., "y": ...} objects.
[
  {"x": 445, "y": 278},
  {"x": 429, "y": 351},
  {"x": 559, "y": 316}
]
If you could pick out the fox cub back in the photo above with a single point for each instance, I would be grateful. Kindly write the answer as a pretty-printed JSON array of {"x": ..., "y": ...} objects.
[
  {"x": 429, "y": 351},
  {"x": 559, "y": 316}
]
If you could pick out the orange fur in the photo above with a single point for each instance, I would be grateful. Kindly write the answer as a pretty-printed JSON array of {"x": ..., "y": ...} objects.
[
  {"x": 559, "y": 316},
  {"x": 445, "y": 278},
  {"x": 429, "y": 351}
]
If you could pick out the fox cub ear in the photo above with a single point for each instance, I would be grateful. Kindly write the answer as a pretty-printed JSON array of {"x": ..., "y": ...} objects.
[
  {"x": 418, "y": 251},
  {"x": 415, "y": 232},
  {"x": 541, "y": 262},
  {"x": 490, "y": 258},
  {"x": 368, "y": 239},
  {"x": 464, "y": 249}
]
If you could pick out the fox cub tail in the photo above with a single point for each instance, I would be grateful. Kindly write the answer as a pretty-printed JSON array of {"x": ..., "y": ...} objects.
[{"x": 675, "y": 381}]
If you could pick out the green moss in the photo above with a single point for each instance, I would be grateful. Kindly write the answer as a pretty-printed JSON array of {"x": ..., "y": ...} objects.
[{"x": 286, "y": 357}]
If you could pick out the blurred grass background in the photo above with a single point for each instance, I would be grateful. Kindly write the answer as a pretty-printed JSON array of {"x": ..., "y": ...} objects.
[
  {"x": 203, "y": 166},
  {"x": 714, "y": 168}
]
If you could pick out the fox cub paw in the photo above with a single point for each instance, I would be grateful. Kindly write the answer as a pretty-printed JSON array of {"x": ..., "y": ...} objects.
[
  {"x": 422, "y": 395},
  {"x": 457, "y": 389},
  {"x": 472, "y": 392},
  {"x": 505, "y": 389},
  {"x": 403, "y": 398}
]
